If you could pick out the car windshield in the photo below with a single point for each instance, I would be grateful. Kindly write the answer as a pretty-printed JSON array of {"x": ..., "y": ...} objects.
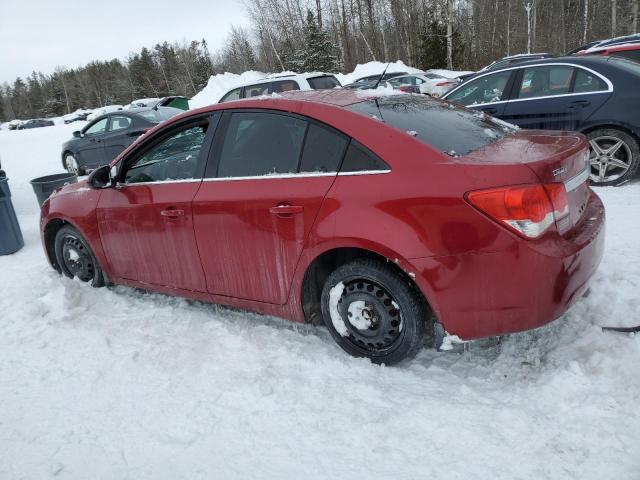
[
  {"x": 453, "y": 130},
  {"x": 160, "y": 115}
]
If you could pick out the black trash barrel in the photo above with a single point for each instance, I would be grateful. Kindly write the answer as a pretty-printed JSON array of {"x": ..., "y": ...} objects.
[
  {"x": 10, "y": 235},
  {"x": 44, "y": 186}
]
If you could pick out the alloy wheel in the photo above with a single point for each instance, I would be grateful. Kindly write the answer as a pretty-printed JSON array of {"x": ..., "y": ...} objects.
[{"x": 610, "y": 158}]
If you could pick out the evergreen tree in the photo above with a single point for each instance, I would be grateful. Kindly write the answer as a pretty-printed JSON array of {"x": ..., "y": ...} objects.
[{"x": 318, "y": 53}]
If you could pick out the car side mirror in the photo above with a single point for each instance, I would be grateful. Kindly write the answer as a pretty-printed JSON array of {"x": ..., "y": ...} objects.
[
  {"x": 77, "y": 134},
  {"x": 102, "y": 178}
]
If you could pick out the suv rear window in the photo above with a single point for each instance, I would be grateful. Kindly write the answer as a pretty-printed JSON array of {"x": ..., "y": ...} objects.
[
  {"x": 451, "y": 129},
  {"x": 325, "y": 82}
]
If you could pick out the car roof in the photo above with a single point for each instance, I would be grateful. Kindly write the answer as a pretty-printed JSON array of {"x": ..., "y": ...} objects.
[{"x": 622, "y": 47}]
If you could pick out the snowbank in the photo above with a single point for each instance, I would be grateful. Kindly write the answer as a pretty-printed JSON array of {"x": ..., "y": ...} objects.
[
  {"x": 374, "y": 68},
  {"x": 220, "y": 84}
]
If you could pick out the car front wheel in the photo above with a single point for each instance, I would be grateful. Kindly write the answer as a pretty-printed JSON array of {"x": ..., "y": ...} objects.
[
  {"x": 614, "y": 156},
  {"x": 372, "y": 311},
  {"x": 75, "y": 258},
  {"x": 71, "y": 164}
]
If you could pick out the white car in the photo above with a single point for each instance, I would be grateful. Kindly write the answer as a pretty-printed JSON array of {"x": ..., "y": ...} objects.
[
  {"x": 428, "y": 83},
  {"x": 282, "y": 83}
]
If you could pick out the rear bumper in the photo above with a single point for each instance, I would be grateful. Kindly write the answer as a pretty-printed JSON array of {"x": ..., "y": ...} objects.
[{"x": 481, "y": 294}]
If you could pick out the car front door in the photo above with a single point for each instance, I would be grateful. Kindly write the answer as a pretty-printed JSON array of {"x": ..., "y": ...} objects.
[
  {"x": 146, "y": 221},
  {"x": 91, "y": 150},
  {"x": 554, "y": 97},
  {"x": 117, "y": 137},
  {"x": 487, "y": 93},
  {"x": 267, "y": 177}
]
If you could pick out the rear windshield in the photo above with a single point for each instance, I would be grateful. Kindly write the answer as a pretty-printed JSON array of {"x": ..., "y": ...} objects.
[
  {"x": 453, "y": 130},
  {"x": 323, "y": 83},
  {"x": 160, "y": 115}
]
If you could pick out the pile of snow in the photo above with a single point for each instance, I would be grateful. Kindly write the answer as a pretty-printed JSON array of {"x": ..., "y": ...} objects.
[
  {"x": 374, "y": 68},
  {"x": 220, "y": 84}
]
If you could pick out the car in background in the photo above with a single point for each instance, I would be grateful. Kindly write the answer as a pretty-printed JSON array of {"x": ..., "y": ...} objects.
[
  {"x": 175, "y": 101},
  {"x": 370, "y": 81},
  {"x": 35, "y": 123},
  {"x": 78, "y": 116},
  {"x": 425, "y": 83},
  {"x": 282, "y": 83},
  {"x": 284, "y": 205},
  {"x": 630, "y": 51},
  {"x": 103, "y": 110},
  {"x": 107, "y": 136},
  {"x": 14, "y": 124},
  {"x": 595, "y": 95},
  {"x": 634, "y": 38},
  {"x": 505, "y": 62}
]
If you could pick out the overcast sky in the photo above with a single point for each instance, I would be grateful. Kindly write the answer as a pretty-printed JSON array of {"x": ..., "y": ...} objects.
[{"x": 42, "y": 34}]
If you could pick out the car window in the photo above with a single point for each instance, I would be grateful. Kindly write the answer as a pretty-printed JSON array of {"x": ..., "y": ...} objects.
[
  {"x": 453, "y": 130},
  {"x": 360, "y": 159},
  {"x": 256, "y": 90},
  {"x": 160, "y": 115},
  {"x": 588, "y": 82},
  {"x": 545, "y": 81},
  {"x": 485, "y": 89},
  {"x": 258, "y": 144},
  {"x": 232, "y": 95},
  {"x": 324, "y": 82},
  {"x": 284, "y": 86},
  {"x": 175, "y": 158},
  {"x": 119, "y": 122},
  {"x": 323, "y": 149},
  {"x": 628, "y": 54},
  {"x": 99, "y": 127}
]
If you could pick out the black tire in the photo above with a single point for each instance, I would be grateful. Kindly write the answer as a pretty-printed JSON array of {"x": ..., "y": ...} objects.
[
  {"x": 75, "y": 258},
  {"x": 391, "y": 313},
  {"x": 628, "y": 153},
  {"x": 79, "y": 171}
]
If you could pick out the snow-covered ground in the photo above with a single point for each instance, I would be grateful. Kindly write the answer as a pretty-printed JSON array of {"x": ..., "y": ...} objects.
[{"x": 118, "y": 384}]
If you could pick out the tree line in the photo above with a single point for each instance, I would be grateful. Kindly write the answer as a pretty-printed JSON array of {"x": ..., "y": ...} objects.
[{"x": 329, "y": 35}]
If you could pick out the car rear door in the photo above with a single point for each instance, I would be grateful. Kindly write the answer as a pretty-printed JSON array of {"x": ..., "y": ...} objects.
[
  {"x": 117, "y": 137},
  {"x": 554, "y": 97},
  {"x": 267, "y": 177},
  {"x": 146, "y": 221}
]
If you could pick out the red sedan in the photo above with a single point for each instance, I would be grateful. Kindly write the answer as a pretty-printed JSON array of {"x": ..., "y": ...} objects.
[{"x": 391, "y": 220}]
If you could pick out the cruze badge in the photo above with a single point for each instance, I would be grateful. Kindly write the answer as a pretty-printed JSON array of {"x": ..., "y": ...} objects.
[{"x": 559, "y": 171}]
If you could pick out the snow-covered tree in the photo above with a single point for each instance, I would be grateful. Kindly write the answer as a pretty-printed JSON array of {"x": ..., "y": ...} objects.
[{"x": 318, "y": 52}]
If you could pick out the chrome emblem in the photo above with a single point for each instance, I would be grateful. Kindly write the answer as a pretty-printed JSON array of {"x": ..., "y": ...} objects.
[{"x": 559, "y": 171}]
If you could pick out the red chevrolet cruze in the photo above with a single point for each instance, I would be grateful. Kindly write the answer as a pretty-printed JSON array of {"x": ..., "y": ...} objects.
[{"x": 393, "y": 220}]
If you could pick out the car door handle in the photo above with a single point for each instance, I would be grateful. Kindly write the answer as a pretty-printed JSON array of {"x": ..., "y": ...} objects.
[
  {"x": 580, "y": 103},
  {"x": 172, "y": 213},
  {"x": 286, "y": 210}
]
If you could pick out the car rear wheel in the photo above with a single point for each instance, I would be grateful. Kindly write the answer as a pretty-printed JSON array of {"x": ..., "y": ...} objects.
[
  {"x": 372, "y": 311},
  {"x": 75, "y": 258},
  {"x": 614, "y": 156},
  {"x": 71, "y": 164}
]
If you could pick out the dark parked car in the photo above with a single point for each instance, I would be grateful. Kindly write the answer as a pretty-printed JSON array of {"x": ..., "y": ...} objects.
[
  {"x": 367, "y": 83},
  {"x": 104, "y": 138},
  {"x": 595, "y": 95},
  {"x": 77, "y": 117},
  {"x": 392, "y": 220},
  {"x": 35, "y": 123}
]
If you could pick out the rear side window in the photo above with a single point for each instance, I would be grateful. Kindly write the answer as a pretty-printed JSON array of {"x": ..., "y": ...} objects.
[
  {"x": 258, "y": 144},
  {"x": 119, "y": 123},
  {"x": 443, "y": 126},
  {"x": 323, "y": 150},
  {"x": 256, "y": 90},
  {"x": 485, "y": 89},
  {"x": 360, "y": 159},
  {"x": 284, "y": 86},
  {"x": 545, "y": 81},
  {"x": 232, "y": 95},
  {"x": 323, "y": 83},
  {"x": 588, "y": 82}
]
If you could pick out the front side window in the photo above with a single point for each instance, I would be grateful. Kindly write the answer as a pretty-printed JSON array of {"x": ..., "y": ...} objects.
[
  {"x": 174, "y": 158},
  {"x": 119, "y": 122},
  {"x": 486, "y": 89},
  {"x": 232, "y": 95},
  {"x": 588, "y": 82},
  {"x": 256, "y": 90},
  {"x": 545, "y": 81},
  {"x": 259, "y": 144},
  {"x": 99, "y": 127}
]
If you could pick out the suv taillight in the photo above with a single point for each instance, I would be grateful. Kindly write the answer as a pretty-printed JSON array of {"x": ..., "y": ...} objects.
[{"x": 529, "y": 210}]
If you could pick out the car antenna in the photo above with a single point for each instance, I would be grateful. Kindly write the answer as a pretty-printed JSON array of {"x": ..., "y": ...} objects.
[{"x": 381, "y": 75}]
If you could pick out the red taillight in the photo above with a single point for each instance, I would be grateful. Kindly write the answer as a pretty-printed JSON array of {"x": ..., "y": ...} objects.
[
  {"x": 444, "y": 84},
  {"x": 528, "y": 209},
  {"x": 405, "y": 89}
]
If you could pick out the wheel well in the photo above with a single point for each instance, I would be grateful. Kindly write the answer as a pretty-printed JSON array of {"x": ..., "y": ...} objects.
[
  {"x": 50, "y": 232},
  {"x": 586, "y": 131},
  {"x": 320, "y": 269}
]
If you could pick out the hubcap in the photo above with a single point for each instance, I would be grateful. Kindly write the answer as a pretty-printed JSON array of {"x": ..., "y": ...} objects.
[
  {"x": 71, "y": 164},
  {"x": 77, "y": 259},
  {"x": 610, "y": 159},
  {"x": 370, "y": 314}
]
